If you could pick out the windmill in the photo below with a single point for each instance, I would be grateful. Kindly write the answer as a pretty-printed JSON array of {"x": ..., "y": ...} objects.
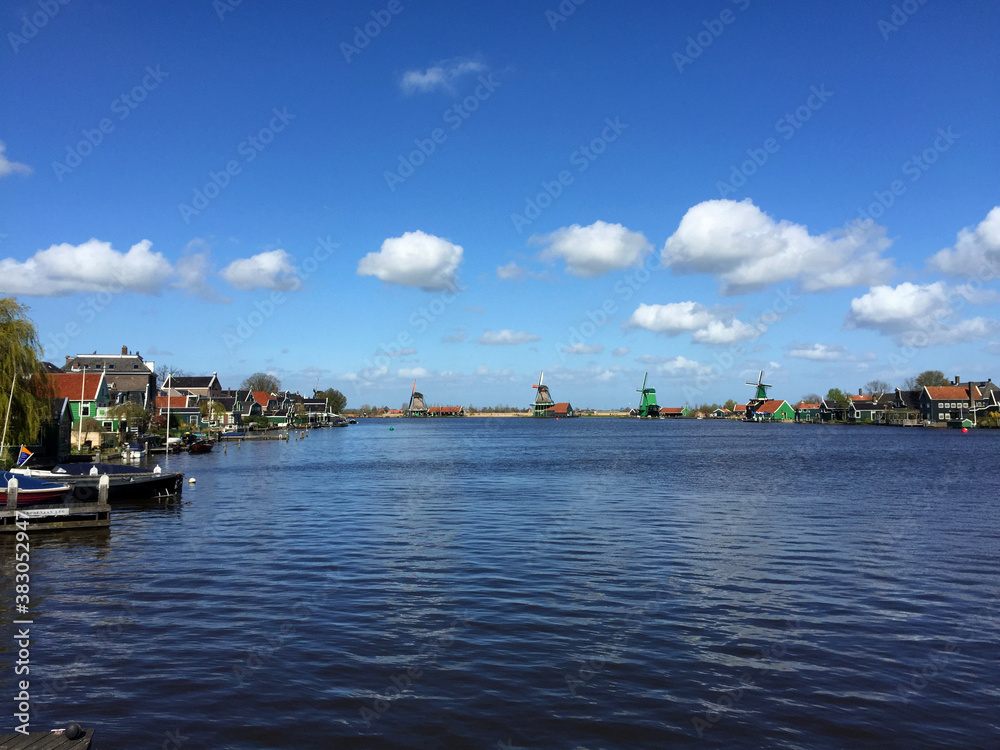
[
  {"x": 760, "y": 396},
  {"x": 647, "y": 405},
  {"x": 543, "y": 401},
  {"x": 417, "y": 408}
]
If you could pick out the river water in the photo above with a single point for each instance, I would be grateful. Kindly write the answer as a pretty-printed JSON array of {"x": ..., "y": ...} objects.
[{"x": 514, "y": 583}]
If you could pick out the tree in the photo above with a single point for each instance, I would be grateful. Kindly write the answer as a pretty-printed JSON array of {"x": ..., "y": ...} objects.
[
  {"x": 23, "y": 410},
  {"x": 212, "y": 410},
  {"x": 877, "y": 387},
  {"x": 926, "y": 378},
  {"x": 810, "y": 398},
  {"x": 335, "y": 400},
  {"x": 164, "y": 370},
  {"x": 130, "y": 412},
  {"x": 837, "y": 396},
  {"x": 261, "y": 381},
  {"x": 729, "y": 405}
]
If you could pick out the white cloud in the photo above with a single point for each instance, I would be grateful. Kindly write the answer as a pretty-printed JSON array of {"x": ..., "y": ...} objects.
[
  {"x": 416, "y": 259},
  {"x": 818, "y": 352},
  {"x": 583, "y": 349},
  {"x": 507, "y": 336},
  {"x": 976, "y": 251},
  {"x": 412, "y": 372},
  {"x": 439, "y": 77},
  {"x": 748, "y": 250},
  {"x": 193, "y": 270},
  {"x": 272, "y": 269},
  {"x": 707, "y": 326},
  {"x": 596, "y": 249},
  {"x": 8, "y": 167},
  {"x": 620, "y": 351},
  {"x": 511, "y": 272},
  {"x": 93, "y": 266},
  {"x": 920, "y": 314},
  {"x": 681, "y": 367}
]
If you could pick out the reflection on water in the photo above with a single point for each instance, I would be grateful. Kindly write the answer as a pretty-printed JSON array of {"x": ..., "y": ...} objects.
[{"x": 591, "y": 583}]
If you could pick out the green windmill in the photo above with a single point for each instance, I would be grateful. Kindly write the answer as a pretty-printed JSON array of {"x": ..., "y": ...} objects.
[
  {"x": 759, "y": 398},
  {"x": 647, "y": 406}
]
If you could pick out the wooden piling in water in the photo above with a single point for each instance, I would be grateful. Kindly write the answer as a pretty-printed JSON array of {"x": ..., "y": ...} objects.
[{"x": 57, "y": 517}]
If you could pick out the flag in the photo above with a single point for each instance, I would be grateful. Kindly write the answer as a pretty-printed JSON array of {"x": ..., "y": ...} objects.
[{"x": 23, "y": 456}]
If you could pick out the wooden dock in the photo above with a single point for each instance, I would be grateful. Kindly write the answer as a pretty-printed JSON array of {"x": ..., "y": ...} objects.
[
  {"x": 70, "y": 515},
  {"x": 54, "y": 740}
]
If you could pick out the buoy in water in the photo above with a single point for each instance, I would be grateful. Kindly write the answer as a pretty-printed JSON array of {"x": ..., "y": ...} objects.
[
  {"x": 191, "y": 480},
  {"x": 392, "y": 428},
  {"x": 965, "y": 429}
]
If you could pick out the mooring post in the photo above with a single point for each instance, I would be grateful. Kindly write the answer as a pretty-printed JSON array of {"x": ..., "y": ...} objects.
[
  {"x": 103, "y": 489},
  {"x": 12, "y": 493}
]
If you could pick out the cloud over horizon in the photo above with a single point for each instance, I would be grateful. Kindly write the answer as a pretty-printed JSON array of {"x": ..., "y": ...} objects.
[
  {"x": 507, "y": 337},
  {"x": 595, "y": 249},
  {"x": 976, "y": 251},
  {"x": 706, "y": 326},
  {"x": 416, "y": 259},
  {"x": 93, "y": 266},
  {"x": 748, "y": 250},
  {"x": 442, "y": 76},
  {"x": 272, "y": 269},
  {"x": 8, "y": 167}
]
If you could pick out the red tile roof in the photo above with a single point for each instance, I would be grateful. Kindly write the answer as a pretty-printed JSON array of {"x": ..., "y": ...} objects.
[
  {"x": 176, "y": 402},
  {"x": 804, "y": 405},
  {"x": 738, "y": 408},
  {"x": 770, "y": 406},
  {"x": 952, "y": 392},
  {"x": 445, "y": 409},
  {"x": 262, "y": 397},
  {"x": 71, "y": 384},
  {"x": 671, "y": 410},
  {"x": 561, "y": 408}
]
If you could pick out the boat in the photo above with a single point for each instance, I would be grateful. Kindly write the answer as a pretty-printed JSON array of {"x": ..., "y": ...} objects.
[
  {"x": 126, "y": 482},
  {"x": 31, "y": 490},
  {"x": 200, "y": 446}
]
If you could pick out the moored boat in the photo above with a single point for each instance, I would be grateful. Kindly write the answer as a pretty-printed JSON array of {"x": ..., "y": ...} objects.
[
  {"x": 31, "y": 490},
  {"x": 126, "y": 482},
  {"x": 200, "y": 446}
]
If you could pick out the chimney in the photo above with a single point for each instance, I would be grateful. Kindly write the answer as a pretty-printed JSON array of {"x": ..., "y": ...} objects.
[
  {"x": 957, "y": 379},
  {"x": 860, "y": 393},
  {"x": 124, "y": 350}
]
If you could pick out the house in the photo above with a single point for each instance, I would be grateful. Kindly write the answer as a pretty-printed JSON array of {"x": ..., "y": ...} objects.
[
  {"x": 206, "y": 386},
  {"x": 807, "y": 412},
  {"x": 774, "y": 411},
  {"x": 722, "y": 413},
  {"x": 902, "y": 408},
  {"x": 184, "y": 411},
  {"x": 130, "y": 377},
  {"x": 740, "y": 411},
  {"x": 833, "y": 411},
  {"x": 939, "y": 404},
  {"x": 674, "y": 412},
  {"x": 446, "y": 411},
  {"x": 86, "y": 392},
  {"x": 864, "y": 408}
]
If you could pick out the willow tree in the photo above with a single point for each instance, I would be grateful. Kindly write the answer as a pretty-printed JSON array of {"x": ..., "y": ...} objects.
[{"x": 24, "y": 386}]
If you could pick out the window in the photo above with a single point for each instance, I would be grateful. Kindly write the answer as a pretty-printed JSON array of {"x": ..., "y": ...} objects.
[
  {"x": 85, "y": 410},
  {"x": 111, "y": 367},
  {"x": 108, "y": 426}
]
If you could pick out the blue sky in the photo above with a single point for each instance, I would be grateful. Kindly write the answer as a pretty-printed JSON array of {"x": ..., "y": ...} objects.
[{"x": 367, "y": 194}]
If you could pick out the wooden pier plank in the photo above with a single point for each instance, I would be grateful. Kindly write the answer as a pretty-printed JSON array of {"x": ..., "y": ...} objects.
[{"x": 45, "y": 741}]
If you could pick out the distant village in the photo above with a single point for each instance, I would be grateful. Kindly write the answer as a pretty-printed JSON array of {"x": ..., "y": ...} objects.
[{"x": 91, "y": 395}]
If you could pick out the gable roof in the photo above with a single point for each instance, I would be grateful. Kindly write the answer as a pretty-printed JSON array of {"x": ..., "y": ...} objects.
[
  {"x": 447, "y": 409},
  {"x": 175, "y": 402},
  {"x": 803, "y": 406},
  {"x": 262, "y": 398},
  {"x": 671, "y": 410},
  {"x": 563, "y": 407},
  {"x": 736, "y": 409},
  {"x": 770, "y": 406},
  {"x": 951, "y": 392},
  {"x": 191, "y": 382},
  {"x": 72, "y": 384}
]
